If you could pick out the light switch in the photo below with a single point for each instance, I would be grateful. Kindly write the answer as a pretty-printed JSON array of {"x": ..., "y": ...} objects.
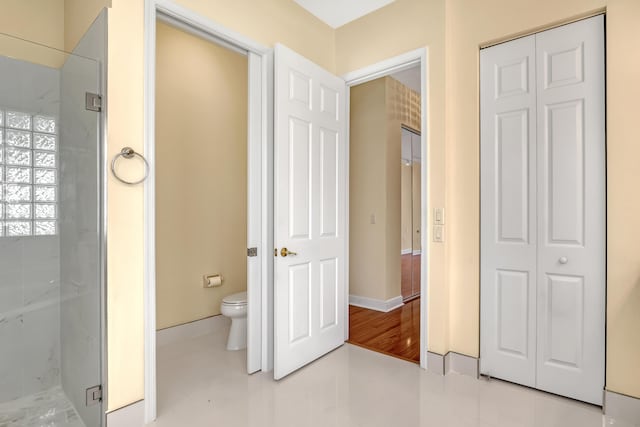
[
  {"x": 373, "y": 219},
  {"x": 438, "y": 233},
  {"x": 438, "y": 216}
]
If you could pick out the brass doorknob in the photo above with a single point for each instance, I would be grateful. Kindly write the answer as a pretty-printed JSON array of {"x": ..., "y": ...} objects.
[{"x": 284, "y": 252}]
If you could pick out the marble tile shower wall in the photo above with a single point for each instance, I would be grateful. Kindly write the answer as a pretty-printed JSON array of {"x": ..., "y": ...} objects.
[{"x": 29, "y": 266}]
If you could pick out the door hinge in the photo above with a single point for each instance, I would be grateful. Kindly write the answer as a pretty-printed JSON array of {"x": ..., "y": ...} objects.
[
  {"x": 93, "y": 102},
  {"x": 94, "y": 395},
  {"x": 251, "y": 252}
]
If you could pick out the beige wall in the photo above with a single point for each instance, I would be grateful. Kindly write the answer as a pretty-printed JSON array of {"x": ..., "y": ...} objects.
[
  {"x": 266, "y": 22},
  {"x": 367, "y": 187},
  {"x": 201, "y": 175},
  {"x": 378, "y": 110},
  {"x": 39, "y": 21},
  {"x": 78, "y": 17}
]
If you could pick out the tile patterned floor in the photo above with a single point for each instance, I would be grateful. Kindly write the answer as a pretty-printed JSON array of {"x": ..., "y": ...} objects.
[
  {"x": 49, "y": 408},
  {"x": 202, "y": 384}
]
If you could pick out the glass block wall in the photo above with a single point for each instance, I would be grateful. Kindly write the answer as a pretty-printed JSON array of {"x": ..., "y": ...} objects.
[{"x": 28, "y": 174}]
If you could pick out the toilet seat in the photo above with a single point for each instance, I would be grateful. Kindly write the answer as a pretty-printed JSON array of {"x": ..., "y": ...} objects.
[{"x": 235, "y": 299}]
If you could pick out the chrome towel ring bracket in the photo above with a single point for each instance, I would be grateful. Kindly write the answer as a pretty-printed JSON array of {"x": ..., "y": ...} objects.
[{"x": 129, "y": 153}]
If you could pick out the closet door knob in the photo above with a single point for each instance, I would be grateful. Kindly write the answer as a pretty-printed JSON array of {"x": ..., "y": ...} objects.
[{"x": 563, "y": 260}]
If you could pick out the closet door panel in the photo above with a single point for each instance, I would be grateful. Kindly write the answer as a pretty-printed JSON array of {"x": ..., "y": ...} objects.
[
  {"x": 508, "y": 227},
  {"x": 571, "y": 210}
]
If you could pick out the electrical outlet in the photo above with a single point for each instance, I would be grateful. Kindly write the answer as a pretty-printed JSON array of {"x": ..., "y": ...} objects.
[{"x": 438, "y": 233}]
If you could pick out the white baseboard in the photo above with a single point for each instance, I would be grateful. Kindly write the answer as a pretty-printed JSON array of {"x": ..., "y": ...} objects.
[
  {"x": 129, "y": 416},
  {"x": 622, "y": 408},
  {"x": 191, "y": 330},
  {"x": 435, "y": 363},
  {"x": 376, "y": 304},
  {"x": 452, "y": 363},
  {"x": 410, "y": 252},
  {"x": 461, "y": 364}
]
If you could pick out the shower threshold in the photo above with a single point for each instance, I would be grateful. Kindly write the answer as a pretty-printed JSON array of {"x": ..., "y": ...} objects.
[{"x": 50, "y": 408}]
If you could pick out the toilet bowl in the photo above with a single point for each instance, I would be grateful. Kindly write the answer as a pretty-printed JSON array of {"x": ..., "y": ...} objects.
[{"x": 235, "y": 307}]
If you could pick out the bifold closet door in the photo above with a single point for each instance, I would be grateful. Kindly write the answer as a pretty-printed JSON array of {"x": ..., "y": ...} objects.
[
  {"x": 508, "y": 211},
  {"x": 571, "y": 210},
  {"x": 543, "y": 210}
]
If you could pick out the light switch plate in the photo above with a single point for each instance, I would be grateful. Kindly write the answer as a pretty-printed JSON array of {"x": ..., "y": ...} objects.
[
  {"x": 438, "y": 216},
  {"x": 438, "y": 233}
]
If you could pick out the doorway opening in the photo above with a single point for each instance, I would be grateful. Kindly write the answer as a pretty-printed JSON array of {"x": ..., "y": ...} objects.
[
  {"x": 205, "y": 228},
  {"x": 385, "y": 213},
  {"x": 201, "y": 127}
]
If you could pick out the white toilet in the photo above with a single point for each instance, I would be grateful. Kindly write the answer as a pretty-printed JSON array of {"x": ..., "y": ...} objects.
[{"x": 235, "y": 307}]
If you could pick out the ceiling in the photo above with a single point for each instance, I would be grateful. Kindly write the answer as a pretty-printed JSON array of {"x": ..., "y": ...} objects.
[{"x": 336, "y": 13}]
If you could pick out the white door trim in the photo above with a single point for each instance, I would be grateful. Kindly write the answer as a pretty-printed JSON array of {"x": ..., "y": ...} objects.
[
  {"x": 258, "y": 149},
  {"x": 372, "y": 72}
]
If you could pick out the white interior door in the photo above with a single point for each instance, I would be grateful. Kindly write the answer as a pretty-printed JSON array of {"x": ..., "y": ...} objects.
[
  {"x": 571, "y": 210},
  {"x": 543, "y": 210},
  {"x": 508, "y": 211},
  {"x": 310, "y": 211}
]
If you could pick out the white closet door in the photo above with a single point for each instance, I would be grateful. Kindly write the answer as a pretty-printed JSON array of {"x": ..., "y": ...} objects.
[
  {"x": 508, "y": 211},
  {"x": 310, "y": 211},
  {"x": 571, "y": 210}
]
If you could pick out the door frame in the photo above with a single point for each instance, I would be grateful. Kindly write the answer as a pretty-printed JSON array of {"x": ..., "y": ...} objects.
[
  {"x": 380, "y": 69},
  {"x": 259, "y": 162}
]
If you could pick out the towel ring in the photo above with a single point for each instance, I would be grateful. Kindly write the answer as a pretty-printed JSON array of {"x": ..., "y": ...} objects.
[{"x": 129, "y": 153}]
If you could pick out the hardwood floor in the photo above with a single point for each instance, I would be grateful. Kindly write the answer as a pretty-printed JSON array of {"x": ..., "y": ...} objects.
[
  {"x": 410, "y": 276},
  {"x": 396, "y": 333}
]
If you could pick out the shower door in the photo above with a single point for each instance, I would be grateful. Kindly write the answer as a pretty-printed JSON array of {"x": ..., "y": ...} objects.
[{"x": 50, "y": 234}]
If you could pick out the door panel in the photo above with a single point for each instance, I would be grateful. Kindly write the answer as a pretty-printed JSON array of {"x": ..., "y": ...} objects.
[
  {"x": 564, "y": 171},
  {"x": 571, "y": 210},
  {"x": 508, "y": 233},
  {"x": 310, "y": 211}
]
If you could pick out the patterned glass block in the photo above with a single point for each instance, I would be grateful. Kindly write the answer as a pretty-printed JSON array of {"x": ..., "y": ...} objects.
[
  {"x": 44, "y": 142},
  {"x": 1, "y": 173},
  {"x": 18, "y": 228},
  {"x": 1, "y": 121},
  {"x": 18, "y": 193},
  {"x": 45, "y": 176},
  {"x": 1, "y": 211},
  {"x": 44, "y": 124},
  {"x": 45, "y": 194},
  {"x": 45, "y": 211},
  {"x": 45, "y": 160},
  {"x": 45, "y": 228},
  {"x": 1, "y": 228},
  {"x": 1, "y": 153},
  {"x": 19, "y": 175},
  {"x": 1, "y": 136},
  {"x": 19, "y": 138},
  {"x": 18, "y": 156},
  {"x": 18, "y": 211},
  {"x": 18, "y": 120}
]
